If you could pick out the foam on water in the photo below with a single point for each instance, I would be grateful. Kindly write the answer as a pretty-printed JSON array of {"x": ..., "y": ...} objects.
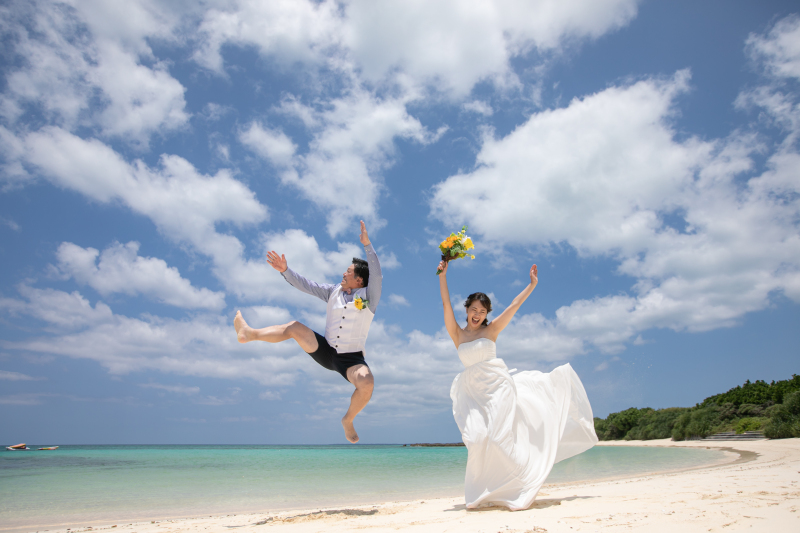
[{"x": 78, "y": 484}]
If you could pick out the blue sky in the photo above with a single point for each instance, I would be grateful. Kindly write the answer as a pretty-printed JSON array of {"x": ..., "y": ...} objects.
[{"x": 644, "y": 154}]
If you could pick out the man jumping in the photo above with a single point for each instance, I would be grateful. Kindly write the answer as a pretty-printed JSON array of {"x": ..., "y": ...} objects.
[{"x": 351, "y": 308}]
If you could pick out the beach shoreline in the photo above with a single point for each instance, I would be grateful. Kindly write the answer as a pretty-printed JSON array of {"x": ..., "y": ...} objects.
[{"x": 757, "y": 488}]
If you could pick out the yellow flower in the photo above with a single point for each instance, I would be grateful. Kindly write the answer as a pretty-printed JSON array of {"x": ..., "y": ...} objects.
[
  {"x": 468, "y": 244},
  {"x": 360, "y": 303},
  {"x": 472, "y": 256}
]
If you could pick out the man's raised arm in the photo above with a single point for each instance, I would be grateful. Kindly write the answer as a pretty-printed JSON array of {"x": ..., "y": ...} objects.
[
  {"x": 375, "y": 275},
  {"x": 320, "y": 290}
]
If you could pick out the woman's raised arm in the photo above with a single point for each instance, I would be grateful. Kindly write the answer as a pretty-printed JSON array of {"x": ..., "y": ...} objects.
[
  {"x": 499, "y": 324},
  {"x": 449, "y": 318}
]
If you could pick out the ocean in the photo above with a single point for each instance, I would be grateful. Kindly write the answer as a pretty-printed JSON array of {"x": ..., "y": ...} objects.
[{"x": 80, "y": 485}]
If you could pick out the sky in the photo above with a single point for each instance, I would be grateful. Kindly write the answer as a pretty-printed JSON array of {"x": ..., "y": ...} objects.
[{"x": 644, "y": 154}]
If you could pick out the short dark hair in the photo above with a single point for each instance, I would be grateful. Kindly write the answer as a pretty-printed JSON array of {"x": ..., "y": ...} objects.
[
  {"x": 361, "y": 270},
  {"x": 484, "y": 300}
]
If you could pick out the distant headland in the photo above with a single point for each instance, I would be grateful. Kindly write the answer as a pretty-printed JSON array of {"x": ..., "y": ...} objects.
[{"x": 773, "y": 408}]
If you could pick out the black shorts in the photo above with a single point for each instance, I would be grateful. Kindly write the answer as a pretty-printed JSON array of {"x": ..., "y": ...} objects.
[{"x": 327, "y": 356}]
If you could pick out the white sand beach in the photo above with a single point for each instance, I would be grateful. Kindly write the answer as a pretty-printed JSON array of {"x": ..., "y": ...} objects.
[{"x": 757, "y": 489}]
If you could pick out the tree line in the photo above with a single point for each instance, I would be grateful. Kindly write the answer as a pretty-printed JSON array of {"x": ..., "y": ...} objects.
[{"x": 773, "y": 408}]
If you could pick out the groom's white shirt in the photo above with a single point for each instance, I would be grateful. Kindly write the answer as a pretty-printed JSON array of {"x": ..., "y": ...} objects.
[{"x": 346, "y": 327}]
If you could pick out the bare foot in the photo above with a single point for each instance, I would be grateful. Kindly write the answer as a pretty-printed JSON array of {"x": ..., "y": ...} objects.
[
  {"x": 349, "y": 431},
  {"x": 241, "y": 327}
]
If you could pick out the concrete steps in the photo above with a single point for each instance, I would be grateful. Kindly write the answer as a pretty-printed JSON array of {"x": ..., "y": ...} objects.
[{"x": 731, "y": 435}]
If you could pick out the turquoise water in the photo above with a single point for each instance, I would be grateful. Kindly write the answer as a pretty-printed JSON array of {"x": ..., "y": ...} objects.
[{"x": 78, "y": 484}]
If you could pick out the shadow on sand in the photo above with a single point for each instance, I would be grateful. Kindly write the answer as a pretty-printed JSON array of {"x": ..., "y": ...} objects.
[{"x": 542, "y": 503}]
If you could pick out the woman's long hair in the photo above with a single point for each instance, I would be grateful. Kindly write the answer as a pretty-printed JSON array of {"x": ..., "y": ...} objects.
[{"x": 484, "y": 300}]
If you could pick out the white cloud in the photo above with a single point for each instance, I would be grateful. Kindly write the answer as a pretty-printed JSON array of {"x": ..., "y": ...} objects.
[
  {"x": 594, "y": 173},
  {"x": 388, "y": 259},
  {"x": 30, "y": 398},
  {"x": 287, "y": 31},
  {"x": 607, "y": 176},
  {"x": 121, "y": 270},
  {"x": 352, "y": 144},
  {"x": 177, "y": 389},
  {"x": 269, "y": 395},
  {"x": 779, "y": 50},
  {"x": 398, "y": 300},
  {"x": 213, "y": 400},
  {"x": 58, "y": 308},
  {"x": 131, "y": 23},
  {"x": 203, "y": 346},
  {"x": 10, "y": 223},
  {"x": 185, "y": 205},
  {"x": 260, "y": 316},
  {"x": 189, "y": 420},
  {"x": 214, "y": 112},
  {"x": 73, "y": 56},
  {"x": 139, "y": 100},
  {"x": 11, "y": 149},
  {"x": 16, "y": 376},
  {"x": 182, "y": 202},
  {"x": 457, "y": 44},
  {"x": 270, "y": 144},
  {"x": 240, "y": 419},
  {"x": 480, "y": 107},
  {"x": 778, "y": 53},
  {"x": 452, "y": 44},
  {"x": 413, "y": 43},
  {"x": 54, "y": 68}
]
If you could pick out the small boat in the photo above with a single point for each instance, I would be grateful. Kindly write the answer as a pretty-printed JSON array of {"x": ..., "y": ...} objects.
[
  {"x": 17, "y": 447},
  {"x": 49, "y": 448}
]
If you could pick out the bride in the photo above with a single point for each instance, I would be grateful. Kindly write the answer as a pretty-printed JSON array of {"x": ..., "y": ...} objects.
[{"x": 514, "y": 427}]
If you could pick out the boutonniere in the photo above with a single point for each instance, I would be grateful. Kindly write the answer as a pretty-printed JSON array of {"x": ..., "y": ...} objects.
[{"x": 360, "y": 302}]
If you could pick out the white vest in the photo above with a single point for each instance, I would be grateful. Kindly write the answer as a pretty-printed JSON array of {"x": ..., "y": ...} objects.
[{"x": 347, "y": 327}]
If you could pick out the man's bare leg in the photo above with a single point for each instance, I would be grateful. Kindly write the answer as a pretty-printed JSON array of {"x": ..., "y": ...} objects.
[
  {"x": 293, "y": 330},
  {"x": 361, "y": 377}
]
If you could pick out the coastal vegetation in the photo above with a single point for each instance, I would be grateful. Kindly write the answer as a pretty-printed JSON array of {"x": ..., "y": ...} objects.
[{"x": 773, "y": 408}]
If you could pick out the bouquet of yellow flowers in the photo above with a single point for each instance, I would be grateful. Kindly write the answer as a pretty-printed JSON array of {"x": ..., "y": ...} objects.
[{"x": 456, "y": 247}]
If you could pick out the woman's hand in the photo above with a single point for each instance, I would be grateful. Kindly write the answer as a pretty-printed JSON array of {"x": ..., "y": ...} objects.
[
  {"x": 442, "y": 270},
  {"x": 498, "y": 324},
  {"x": 278, "y": 262}
]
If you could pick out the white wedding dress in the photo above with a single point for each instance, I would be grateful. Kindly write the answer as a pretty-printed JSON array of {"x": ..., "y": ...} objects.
[{"x": 516, "y": 428}]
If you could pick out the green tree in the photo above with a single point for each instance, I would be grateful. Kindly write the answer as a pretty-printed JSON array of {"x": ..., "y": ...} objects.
[
  {"x": 618, "y": 424},
  {"x": 758, "y": 392},
  {"x": 785, "y": 420},
  {"x": 774, "y": 406},
  {"x": 656, "y": 424}
]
